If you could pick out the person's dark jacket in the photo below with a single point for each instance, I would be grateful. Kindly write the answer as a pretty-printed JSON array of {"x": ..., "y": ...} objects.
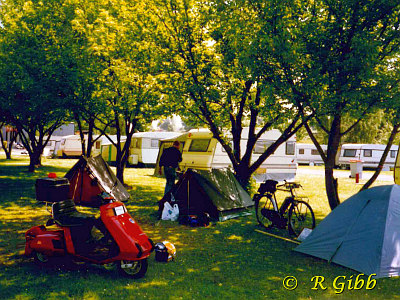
[{"x": 170, "y": 157}]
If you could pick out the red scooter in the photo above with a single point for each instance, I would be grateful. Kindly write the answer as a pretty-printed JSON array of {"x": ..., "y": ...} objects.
[{"x": 68, "y": 233}]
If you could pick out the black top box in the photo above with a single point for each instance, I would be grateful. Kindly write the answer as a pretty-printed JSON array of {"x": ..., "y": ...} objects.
[{"x": 52, "y": 189}]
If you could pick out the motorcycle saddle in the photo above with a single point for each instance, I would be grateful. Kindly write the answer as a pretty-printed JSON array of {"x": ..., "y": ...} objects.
[{"x": 66, "y": 214}]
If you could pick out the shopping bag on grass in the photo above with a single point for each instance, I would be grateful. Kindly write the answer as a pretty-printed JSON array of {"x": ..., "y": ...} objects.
[{"x": 170, "y": 213}]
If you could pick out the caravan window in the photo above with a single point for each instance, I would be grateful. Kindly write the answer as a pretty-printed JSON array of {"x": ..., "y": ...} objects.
[
  {"x": 261, "y": 146},
  {"x": 393, "y": 153},
  {"x": 97, "y": 145},
  {"x": 301, "y": 151},
  {"x": 314, "y": 152},
  {"x": 367, "y": 153},
  {"x": 290, "y": 148},
  {"x": 349, "y": 153},
  {"x": 199, "y": 145},
  {"x": 154, "y": 143}
]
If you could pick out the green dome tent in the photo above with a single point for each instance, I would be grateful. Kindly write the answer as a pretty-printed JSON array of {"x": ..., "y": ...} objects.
[
  {"x": 216, "y": 192},
  {"x": 362, "y": 233}
]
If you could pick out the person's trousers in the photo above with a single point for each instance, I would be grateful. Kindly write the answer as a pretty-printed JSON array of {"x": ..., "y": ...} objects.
[{"x": 170, "y": 175}]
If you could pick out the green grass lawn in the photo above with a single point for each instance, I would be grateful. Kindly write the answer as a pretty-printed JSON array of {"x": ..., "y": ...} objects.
[{"x": 227, "y": 260}]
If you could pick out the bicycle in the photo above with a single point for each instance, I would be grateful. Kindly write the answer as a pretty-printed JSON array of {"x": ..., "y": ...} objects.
[{"x": 294, "y": 213}]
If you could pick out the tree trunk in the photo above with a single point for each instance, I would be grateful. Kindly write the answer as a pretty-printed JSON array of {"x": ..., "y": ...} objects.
[
  {"x": 331, "y": 183},
  {"x": 81, "y": 134},
  {"x": 90, "y": 137},
  {"x": 35, "y": 160},
  {"x": 383, "y": 158},
  {"x": 10, "y": 144},
  {"x": 7, "y": 149},
  {"x": 120, "y": 170},
  {"x": 331, "y": 186},
  {"x": 243, "y": 176}
]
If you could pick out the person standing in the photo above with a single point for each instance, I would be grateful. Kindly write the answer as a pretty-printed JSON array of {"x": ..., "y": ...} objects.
[{"x": 170, "y": 159}]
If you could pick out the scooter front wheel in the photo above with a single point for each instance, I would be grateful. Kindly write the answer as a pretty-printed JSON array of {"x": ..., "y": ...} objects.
[{"x": 133, "y": 268}]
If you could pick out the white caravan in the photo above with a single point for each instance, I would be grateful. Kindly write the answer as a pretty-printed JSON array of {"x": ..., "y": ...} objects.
[
  {"x": 369, "y": 154},
  {"x": 70, "y": 145},
  {"x": 307, "y": 154},
  {"x": 50, "y": 149},
  {"x": 201, "y": 151},
  {"x": 145, "y": 145}
]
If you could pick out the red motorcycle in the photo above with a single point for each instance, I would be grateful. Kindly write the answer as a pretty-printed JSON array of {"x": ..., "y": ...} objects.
[{"x": 69, "y": 233}]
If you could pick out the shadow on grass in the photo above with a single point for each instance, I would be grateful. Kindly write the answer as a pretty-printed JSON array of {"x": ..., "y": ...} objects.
[
  {"x": 227, "y": 260},
  {"x": 22, "y": 171}
]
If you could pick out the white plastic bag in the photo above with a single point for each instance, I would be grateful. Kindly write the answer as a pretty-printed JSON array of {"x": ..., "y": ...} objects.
[{"x": 170, "y": 213}]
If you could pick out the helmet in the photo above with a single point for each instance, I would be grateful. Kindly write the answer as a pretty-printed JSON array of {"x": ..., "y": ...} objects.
[{"x": 165, "y": 251}]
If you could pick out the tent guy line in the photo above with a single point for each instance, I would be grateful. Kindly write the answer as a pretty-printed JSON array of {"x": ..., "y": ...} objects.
[{"x": 278, "y": 237}]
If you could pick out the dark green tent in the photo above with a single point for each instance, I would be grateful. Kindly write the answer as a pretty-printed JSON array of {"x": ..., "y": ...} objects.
[{"x": 215, "y": 192}]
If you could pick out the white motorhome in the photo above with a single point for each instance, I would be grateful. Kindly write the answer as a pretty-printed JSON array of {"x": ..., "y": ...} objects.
[
  {"x": 145, "y": 145},
  {"x": 201, "y": 151},
  {"x": 307, "y": 154},
  {"x": 369, "y": 154},
  {"x": 50, "y": 148},
  {"x": 70, "y": 145}
]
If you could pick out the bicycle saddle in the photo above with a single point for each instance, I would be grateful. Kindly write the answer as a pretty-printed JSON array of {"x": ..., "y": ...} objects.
[{"x": 269, "y": 186}]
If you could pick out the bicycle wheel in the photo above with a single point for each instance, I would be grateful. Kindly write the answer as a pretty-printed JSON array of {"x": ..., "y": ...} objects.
[
  {"x": 300, "y": 216},
  {"x": 262, "y": 204}
]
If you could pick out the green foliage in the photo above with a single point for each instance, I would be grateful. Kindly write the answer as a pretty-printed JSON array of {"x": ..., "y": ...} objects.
[
  {"x": 36, "y": 70},
  {"x": 35, "y": 62},
  {"x": 341, "y": 63},
  {"x": 117, "y": 37},
  {"x": 375, "y": 129},
  {"x": 219, "y": 74}
]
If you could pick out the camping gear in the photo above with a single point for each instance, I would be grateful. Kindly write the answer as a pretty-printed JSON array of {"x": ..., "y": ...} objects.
[
  {"x": 91, "y": 176},
  {"x": 51, "y": 189},
  {"x": 215, "y": 192},
  {"x": 362, "y": 233},
  {"x": 164, "y": 251},
  {"x": 129, "y": 246},
  {"x": 202, "y": 220},
  {"x": 170, "y": 213}
]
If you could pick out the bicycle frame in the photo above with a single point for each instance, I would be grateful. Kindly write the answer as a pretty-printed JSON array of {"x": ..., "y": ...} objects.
[
  {"x": 272, "y": 197},
  {"x": 289, "y": 187},
  {"x": 293, "y": 212}
]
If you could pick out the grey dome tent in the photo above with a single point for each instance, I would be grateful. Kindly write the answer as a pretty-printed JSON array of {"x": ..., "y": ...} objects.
[
  {"x": 362, "y": 233},
  {"x": 216, "y": 192}
]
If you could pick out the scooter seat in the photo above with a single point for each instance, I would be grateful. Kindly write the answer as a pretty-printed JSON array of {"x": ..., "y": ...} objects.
[{"x": 66, "y": 214}]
